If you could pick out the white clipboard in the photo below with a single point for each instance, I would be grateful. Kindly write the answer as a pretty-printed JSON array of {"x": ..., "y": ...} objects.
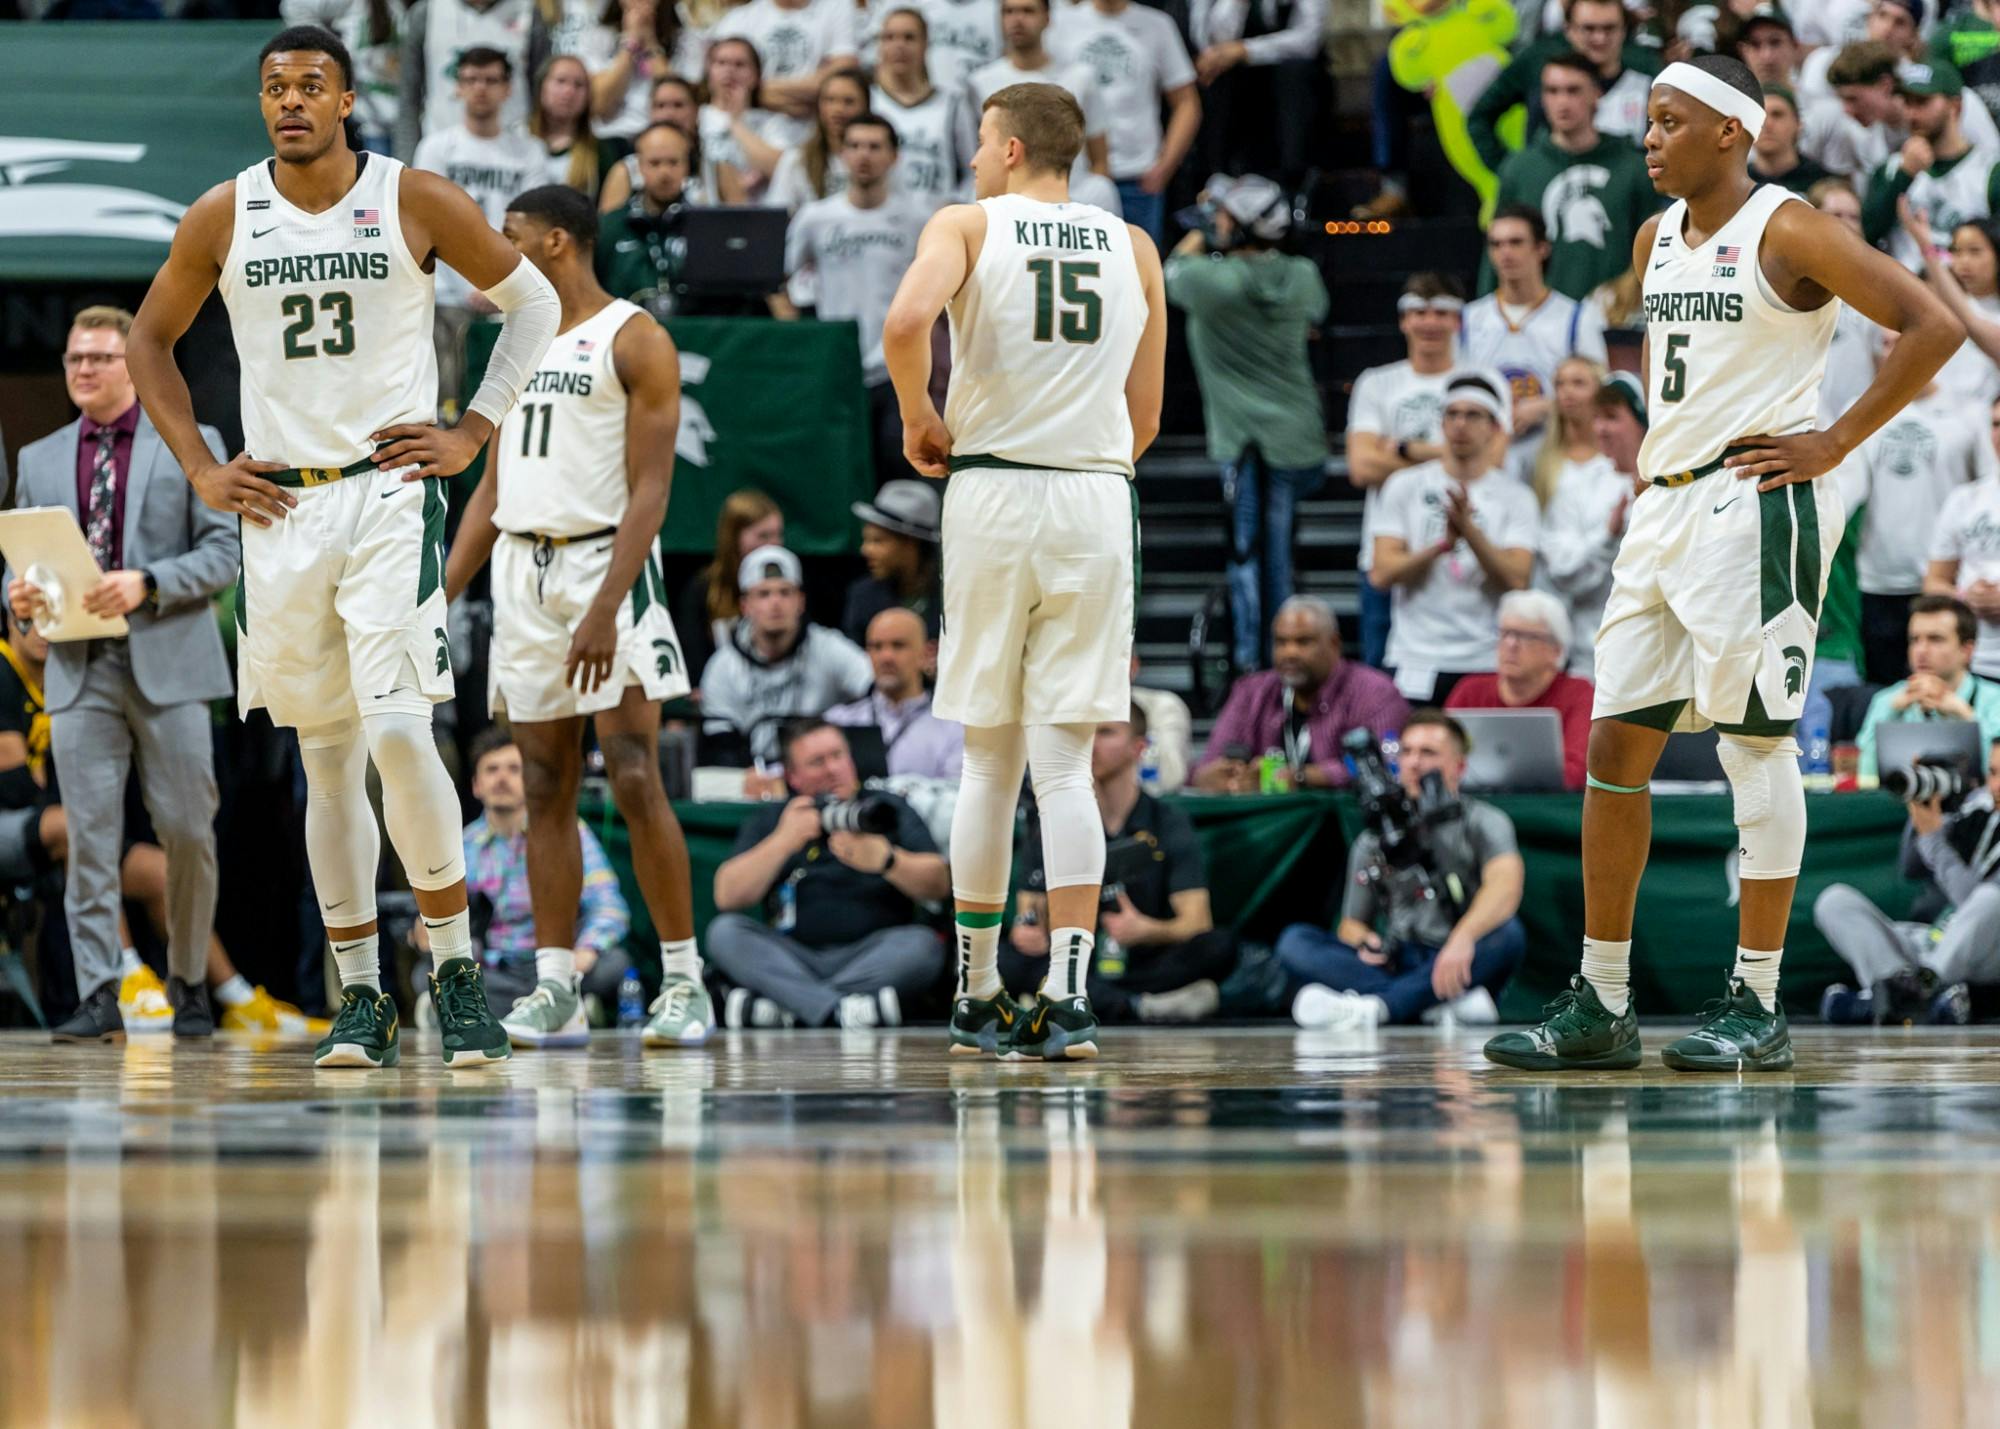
[{"x": 45, "y": 547}]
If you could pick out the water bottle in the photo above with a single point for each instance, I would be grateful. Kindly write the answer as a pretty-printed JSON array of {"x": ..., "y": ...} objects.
[
  {"x": 631, "y": 1000},
  {"x": 1818, "y": 739},
  {"x": 1149, "y": 771}
]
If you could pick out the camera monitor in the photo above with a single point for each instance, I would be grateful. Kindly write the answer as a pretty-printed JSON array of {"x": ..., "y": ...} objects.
[
  {"x": 1901, "y": 744},
  {"x": 1513, "y": 749},
  {"x": 734, "y": 249}
]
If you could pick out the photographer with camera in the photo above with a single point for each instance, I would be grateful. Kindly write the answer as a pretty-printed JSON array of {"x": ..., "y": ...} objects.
[
  {"x": 1433, "y": 887},
  {"x": 1943, "y": 633},
  {"x": 1917, "y": 971},
  {"x": 836, "y": 874}
]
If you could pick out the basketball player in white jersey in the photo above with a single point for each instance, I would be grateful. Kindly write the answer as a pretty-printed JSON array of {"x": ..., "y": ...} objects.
[
  {"x": 324, "y": 258},
  {"x": 1058, "y": 337},
  {"x": 570, "y": 508},
  {"x": 1716, "y": 590}
]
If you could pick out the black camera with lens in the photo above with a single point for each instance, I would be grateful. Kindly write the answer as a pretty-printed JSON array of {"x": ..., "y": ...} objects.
[
  {"x": 1404, "y": 827},
  {"x": 863, "y": 814},
  {"x": 1932, "y": 777}
]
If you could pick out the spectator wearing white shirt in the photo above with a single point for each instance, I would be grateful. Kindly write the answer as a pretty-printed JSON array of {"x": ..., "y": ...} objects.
[
  {"x": 814, "y": 169},
  {"x": 437, "y": 35},
  {"x": 964, "y": 34},
  {"x": 743, "y": 142},
  {"x": 630, "y": 46},
  {"x": 1452, "y": 537},
  {"x": 800, "y": 42},
  {"x": 1524, "y": 327},
  {"x": 929, "y": 119},
  {"x": 914, "y": 739},
  {"x": 491, "y": 163},
  {"x": 1850, "y": 362},
  {"x": 695, "y": 31},
  {"x": 1139, "y": 60},
  {"x": 373, "y": 32},
  {"x": 1395, "y": 420},
  {"x": 1939, "y": 175},
  {"x": 677, "y": 102},
  {"x": 858, "y": 244},
  {"x": 1871, "y": 80},
  {"x": 1965, "y": 558},
  {"x": 1260, "y": 62},
  {"x": 1569, "y": 438},
  {"x": 559, "y": 120},
  {"x": 1585, "y": 518},
  {"x": 1023, "y": 24},
  {"x": 1968, "y": 279}
]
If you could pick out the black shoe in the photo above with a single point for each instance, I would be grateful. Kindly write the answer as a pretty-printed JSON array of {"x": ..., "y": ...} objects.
[
  {"x": 192, "y": 1017},
  {"x": 96, "y": 1020}
]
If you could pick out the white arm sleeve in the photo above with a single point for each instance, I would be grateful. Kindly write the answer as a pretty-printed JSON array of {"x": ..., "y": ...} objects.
[{"x": 532, "y": 314}]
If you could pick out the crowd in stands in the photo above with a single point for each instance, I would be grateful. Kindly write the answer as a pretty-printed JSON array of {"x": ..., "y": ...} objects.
[{"x": 1498, "y": 460}]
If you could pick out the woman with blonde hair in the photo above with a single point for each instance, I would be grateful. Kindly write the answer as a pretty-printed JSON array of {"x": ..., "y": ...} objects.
[
  {"x": 1569, "y": 442},
  {"x": 559, "y": 116},
  {"x": 708, "y": 605}
]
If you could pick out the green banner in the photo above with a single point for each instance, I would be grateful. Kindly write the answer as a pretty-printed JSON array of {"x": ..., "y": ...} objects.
[
  {"x": 1277, "y": 860},
  {"x": 108, "y": 132},
  {"x": 775, "y": 405}
]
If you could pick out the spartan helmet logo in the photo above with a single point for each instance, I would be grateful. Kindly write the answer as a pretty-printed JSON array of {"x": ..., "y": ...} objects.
[
  {"x": 666, "y": 659},
  {"x": 1795, "y": 671},
  {"x": 444, "y": 651},
  {"x": 1573, "y": 208}
]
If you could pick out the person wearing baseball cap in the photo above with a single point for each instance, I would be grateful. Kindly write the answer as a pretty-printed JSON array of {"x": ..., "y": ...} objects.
[
  {"x": 1451, "y": 537},
  {"x": 775, "y": 664},
  {"x": 899, "y": 542},
  {"x": 1939, "y": 172},
  {"x": 1250, "y": 312}
]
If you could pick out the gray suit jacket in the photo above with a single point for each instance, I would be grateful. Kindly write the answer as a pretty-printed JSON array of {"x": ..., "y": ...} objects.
[{"x": 192, "y": 552}]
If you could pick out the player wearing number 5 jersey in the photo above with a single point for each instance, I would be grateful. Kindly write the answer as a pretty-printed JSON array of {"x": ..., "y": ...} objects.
[
  {"x": 1058, "y": 335},
  {"x": 324, "y": 258},
  {"x": 1716, "y": 590},
  {"x": 570, "y": 509}
]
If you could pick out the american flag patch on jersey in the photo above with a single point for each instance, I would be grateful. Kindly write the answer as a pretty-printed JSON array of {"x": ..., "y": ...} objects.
[
  {"x": 584, "y": 348},
  {"x": 1727, "y": 253},
  {"x": 367, "y": 215}
]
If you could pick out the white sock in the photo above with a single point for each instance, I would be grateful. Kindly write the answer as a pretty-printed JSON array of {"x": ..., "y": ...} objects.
[
  {"x": 450, "y": 937},
  {"x": 128, "y": 962},
  {"x": 360, "y": 962},
  {"x": 1607, "y": 967},
  {"x": 979, "y": 961},
  {"x": 1759, "y": 972},
  {"x": 556, "y": 965},
  {"x": 235, "y": 992},
  {"x": 680, "y": 958},
  {"x": 1069, "y": 962}
]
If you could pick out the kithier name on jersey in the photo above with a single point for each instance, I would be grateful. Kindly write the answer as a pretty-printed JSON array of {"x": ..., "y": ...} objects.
[
  {"x": 1029, "y": 233},
  {"x": 316, "y": 268},
  {"x": 1694, "y": 307}
]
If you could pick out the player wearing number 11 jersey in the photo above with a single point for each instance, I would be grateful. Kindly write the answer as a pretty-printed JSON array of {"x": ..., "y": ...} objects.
[
  {"x": 324, "y": 258},
  {"x": 1058, "y": 336},
  {"x": 1716, "y": 591}
]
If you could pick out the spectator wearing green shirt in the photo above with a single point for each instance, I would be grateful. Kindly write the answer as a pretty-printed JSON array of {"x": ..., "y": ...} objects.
[
  {"x": 640, "y": 248},
  {"x": 1775, "y": 157},
  {"x": 1595, "y": 29},
  {"x": 1591, "y": 188},
  {"x": 1969, "y": 41},
  {"x": 1943, "y": 635},
  {"x": 1251, "y": 311}
]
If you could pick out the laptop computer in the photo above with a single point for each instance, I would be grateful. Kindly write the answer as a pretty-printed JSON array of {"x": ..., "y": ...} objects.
[
  {"x": 733, "y": 248},
  {"x": 1900, "y": 744},
  {"x": 1515, "y": 750}
]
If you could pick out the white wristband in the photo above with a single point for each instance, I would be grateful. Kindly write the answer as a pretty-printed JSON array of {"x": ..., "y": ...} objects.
[{"x": 531, "y": 313}]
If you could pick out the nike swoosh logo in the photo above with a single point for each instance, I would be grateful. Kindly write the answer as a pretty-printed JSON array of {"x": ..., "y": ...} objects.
[
  {"x": 440, "y": 868},
  {"x": 341, "y": 904},
  {"x": 1717, "y": 511},
  {"x": 260, "y": 232},
  {"x": 395, "y": 490},
  {"x": 1659, "y": 265}
]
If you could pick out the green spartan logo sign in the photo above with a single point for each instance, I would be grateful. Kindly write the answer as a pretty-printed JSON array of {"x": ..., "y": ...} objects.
[
  {"x": 667, "y": 659},
  {"x": 1795, "y": 670},
  {"x": 444, "y": 651}
]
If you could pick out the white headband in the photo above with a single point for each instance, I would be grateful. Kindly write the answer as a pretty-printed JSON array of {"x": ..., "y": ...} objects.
[
  {"x": 1724, "y": 98},
  {"x": 1442, "y": 303},
  {"x": 1485, "y": 389}
]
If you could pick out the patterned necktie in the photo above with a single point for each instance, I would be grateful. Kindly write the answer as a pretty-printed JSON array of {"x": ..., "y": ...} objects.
[{"x": 103, "y": 478}]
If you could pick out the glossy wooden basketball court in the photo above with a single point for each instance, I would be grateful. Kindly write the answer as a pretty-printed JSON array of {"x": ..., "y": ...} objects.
[{"x": 1202, "y": 1229}]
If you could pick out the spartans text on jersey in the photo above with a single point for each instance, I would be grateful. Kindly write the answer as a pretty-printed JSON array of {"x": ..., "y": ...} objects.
[
  {"x": 316, "y": 268},
  {"x": 1694, "y": 307}
]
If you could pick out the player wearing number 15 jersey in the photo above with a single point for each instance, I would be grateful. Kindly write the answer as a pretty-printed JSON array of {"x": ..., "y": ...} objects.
[
  {"x": 324, "y": 258},
  {"x": 1716, "y": 590},
  {"x": 570, "y": 507},
  {"x": 1058, "y": 335}
]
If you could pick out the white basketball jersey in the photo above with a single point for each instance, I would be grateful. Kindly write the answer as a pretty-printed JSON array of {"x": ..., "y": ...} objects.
[
  {"x": 332, "y": 319},
  {"x": 1729, "y": 359},
  {"x": 1042, "y": 337},
  {"x": 562, "y": 447}
]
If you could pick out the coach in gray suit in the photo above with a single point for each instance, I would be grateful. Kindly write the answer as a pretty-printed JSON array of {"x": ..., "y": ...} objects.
[{"x": 165, "y": 554}]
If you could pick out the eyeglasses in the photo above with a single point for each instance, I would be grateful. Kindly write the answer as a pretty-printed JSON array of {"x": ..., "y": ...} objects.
[
  {"x": 75, "y": 360},
  {"x": 1527, "y": 637}
]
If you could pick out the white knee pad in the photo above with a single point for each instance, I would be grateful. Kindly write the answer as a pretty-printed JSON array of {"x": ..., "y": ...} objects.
[
  {"x": 419, "y": 804},
  {"x": 343, "y": 846},
  {"x": 982, "y": 823},
  {"x": 1770, "y": 803},
  {"x": 1072, "y": 827}
]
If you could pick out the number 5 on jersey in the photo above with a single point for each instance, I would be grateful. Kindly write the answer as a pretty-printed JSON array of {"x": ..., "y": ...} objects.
[{"x": 1675, "y": 386}]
